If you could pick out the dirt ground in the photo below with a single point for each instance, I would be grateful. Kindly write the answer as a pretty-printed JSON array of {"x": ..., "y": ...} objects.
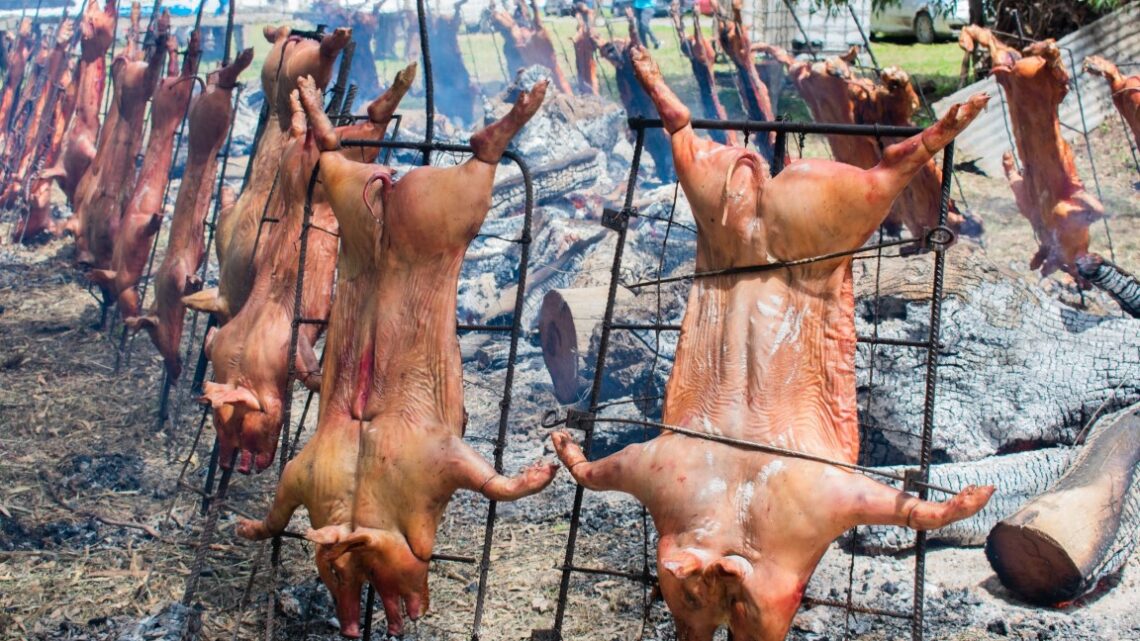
[{"x": 96, "y": 531}]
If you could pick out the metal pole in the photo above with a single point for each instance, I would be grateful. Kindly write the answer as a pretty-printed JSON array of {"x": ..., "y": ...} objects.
[
  {"x": 928, "y": 404},
  {"x": 429, "y": 83}
]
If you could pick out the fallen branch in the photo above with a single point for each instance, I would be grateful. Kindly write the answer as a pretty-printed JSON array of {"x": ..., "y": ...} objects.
[{"x": 94, "y": 515}]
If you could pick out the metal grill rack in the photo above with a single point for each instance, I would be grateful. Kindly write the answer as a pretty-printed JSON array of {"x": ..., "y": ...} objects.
[{"x": 936, "y": 240}]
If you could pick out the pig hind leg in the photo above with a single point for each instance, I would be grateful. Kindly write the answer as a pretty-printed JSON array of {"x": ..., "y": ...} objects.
[{"x": 490, "y": 142}]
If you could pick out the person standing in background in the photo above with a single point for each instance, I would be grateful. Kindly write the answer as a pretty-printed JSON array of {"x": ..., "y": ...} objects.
[{"x": 644, "y": 10}]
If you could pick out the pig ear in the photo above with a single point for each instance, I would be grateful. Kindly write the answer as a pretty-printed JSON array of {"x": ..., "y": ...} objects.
[
  {"x": 207, "y": 300},
  {"x": 135, "y": 323},
  {"x": 218, "y": 394},
  {"x": 730, "y": 566},
  {"x": 102, "y": 276},
  {"x": 682, "y": 564}
]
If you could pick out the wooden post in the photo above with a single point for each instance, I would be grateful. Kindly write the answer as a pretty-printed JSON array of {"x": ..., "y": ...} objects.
[{"x": 1062, "y": 543}]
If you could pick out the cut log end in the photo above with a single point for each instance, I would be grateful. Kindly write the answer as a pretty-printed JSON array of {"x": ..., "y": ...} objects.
[
  {"x": 559, "y": 346},
  {"x": 1033, "y": 564}
]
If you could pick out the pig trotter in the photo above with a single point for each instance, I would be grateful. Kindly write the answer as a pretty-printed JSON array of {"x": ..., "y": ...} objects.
[{"x": 491, "y": 142}]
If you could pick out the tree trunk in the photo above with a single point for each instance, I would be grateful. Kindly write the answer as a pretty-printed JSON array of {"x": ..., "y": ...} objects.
[{"x": 1061, "y": 544}]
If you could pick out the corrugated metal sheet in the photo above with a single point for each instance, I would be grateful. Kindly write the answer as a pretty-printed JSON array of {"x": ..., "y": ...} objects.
[{"x": 1115, "y": 36}]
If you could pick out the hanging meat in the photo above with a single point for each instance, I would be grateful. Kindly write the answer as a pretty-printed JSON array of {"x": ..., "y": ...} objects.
[
  {"x": 143, "y": 215},
  {"x": 454, "y": 93},
  {"x": 636, "y": 102},
  {"x": 983, "y": 51},
  {"x": 178, "y": 274},
  {"x": 24, "y": 148},
  {"x": 1047, "y": 188},
  {"x": 78, "y": 146},
  {"x": 291, "y": 58},
  {"x": 1125, "y": 91},
  {"x": 832, "y": 94},
  {"x": 702, "y": 57},
  {"x": 893, "y": 101},
  {"x": 766, "y": 357},
  {"x": 586, "y": 44},
  {"x": 753, "y": 92},
  {"x": 527, "y": 42},
  {"x": 250, "y": 353},
  {"x": 389, "y": 451},
  {"x": 103, "y": 192},
  {"x": 42, "y": 147},
  {"x": 19, "y": 50},
  {"x": 14, "y": 140}
]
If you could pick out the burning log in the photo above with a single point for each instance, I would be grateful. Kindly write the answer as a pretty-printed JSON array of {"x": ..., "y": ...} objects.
[
  {"x": 552, "y": 181},
  {"x": 1123, "y": 287},
  {"x": 753, "y": 92},
  {"x": 567, "y": 324},
  {"x": 1061, "y": 544},
  {"x": 142, "y": 217},
  {"x": 454, "y": 94},
  {"x": 1125, "y": 91},
  {"x": 528, "y": 42},
  {"x": 586, "y": 44},
  {"x": 1048, "y": 191},
  {"x": 1019, "y": 366},
  {"x": 701, "y": 56}
]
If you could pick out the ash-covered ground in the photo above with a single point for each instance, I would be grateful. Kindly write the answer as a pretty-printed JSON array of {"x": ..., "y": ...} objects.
[{"x": 97, "y": 537}]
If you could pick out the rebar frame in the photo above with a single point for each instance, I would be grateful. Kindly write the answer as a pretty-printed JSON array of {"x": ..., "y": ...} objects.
[{"x": 937, "y": 241}]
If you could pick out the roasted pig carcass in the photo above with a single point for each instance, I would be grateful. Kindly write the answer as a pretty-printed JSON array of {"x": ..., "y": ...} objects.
[
  {"x": 769, "y": 358},
  {"x": 1047, "y": 189},
  {"x": 636, "y": 102},
  {"x": 586, "y": 43},
  {"x": 39, "y": 115},
  {"x": 290, "y": 58},
  {"x": 833, "y": 94},
  {"x": 753, "y": 92},
  {"x": 178, "y": 274},
  {"x": 528, "y": 42},
  {"x": 19, "y": 48},
  {"x": 454, "y": 95},
  {"x": 104, "y": 191},
  {"x": 983, "y": 51},
  {"x": 893, "y": 101},
  {"x": 1125, "y": 91},
  {"x": 250, "y": 353},
  {"x": 702, "y": 57},
  {"x": 143, "y": 215},
  {"x": 388, "y": 452},
  {"x": 78, "y": 146}
]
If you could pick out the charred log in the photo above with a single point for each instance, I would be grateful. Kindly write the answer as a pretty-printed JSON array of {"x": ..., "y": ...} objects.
[
  {"x": 1123, "y": 287},
  {"x": 1061, "y": 544}
]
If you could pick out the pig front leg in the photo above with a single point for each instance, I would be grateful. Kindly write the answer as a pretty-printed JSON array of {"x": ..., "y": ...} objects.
[
  {"x": 473, "y": 473},
  {"x": 287, "y": 500},
  {"x": 615, "y": 472},
  {"x": 902, "y": 160},
  {"x": 864, "y": 501}
]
